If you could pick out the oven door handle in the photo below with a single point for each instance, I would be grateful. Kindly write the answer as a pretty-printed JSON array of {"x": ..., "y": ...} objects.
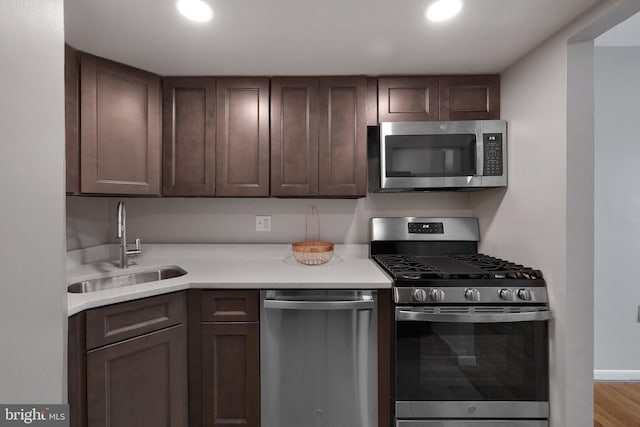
[
  {"x": 530, "y": 316},
  {"x": 319, "y": 305}
]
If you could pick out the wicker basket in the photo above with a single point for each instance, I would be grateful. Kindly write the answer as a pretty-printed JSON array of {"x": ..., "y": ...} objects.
[{"x": 312, "y": 252}]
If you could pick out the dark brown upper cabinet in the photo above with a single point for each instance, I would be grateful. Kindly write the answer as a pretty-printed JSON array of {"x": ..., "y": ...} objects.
[
  {"x": 404, "y": 99},
  {"x": 318, "y": 136},
  {"x": 294, "y": 137},
  {"x": 221, "y": 136},
  {"x": 188, "y": 136},
  {"x": 72, "y": 117},
  {"x": 120, "y": 143},
  {"x": 469, "y": 97},
  {"x": 342, "y": 141},
  {"x": 242, "y": 137}
]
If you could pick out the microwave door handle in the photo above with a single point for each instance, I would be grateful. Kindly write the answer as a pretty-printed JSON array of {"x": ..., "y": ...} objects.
[
  {"x": 479, "y": 156},
  {"x": 414, "y": 316}
]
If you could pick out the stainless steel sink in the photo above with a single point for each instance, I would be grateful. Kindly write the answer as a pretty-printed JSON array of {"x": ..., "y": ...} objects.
[{"x": 126, "y": 279}]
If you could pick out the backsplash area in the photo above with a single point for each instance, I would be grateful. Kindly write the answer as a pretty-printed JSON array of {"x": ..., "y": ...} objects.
[
  {"x": 88, "y": 221},
  {"x": 91, "y": 220}
]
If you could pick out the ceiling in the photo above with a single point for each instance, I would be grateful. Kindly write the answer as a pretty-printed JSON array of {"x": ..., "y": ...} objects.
[{"x": 311, "y": 37}]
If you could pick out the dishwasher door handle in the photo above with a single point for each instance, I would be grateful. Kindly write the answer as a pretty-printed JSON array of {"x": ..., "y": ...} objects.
[{"x": 319, "y": 305}]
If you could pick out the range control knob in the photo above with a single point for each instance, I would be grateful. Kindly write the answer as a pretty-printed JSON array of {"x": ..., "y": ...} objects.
[
  {"x": 525, "y": 294},
  {"x": 436, "y": 295},
  {"x": 472, "y": 294},
  {"x": 419, "y": 295},
  {"x": 506, "y": 294}
]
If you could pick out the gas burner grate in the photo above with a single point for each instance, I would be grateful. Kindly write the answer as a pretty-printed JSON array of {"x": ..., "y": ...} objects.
[
  {"x": 408, "y": 267},
  {"x": 499, "y": 268},
  {"x": 465, "y": 266}
]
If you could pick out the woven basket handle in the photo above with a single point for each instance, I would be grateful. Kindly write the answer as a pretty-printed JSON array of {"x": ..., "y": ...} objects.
[{"x": 312, "y": 215}]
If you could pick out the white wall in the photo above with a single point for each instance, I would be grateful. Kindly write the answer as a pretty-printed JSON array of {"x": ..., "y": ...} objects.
[
  {"x": 32, "y": 266},
  {"x": 545, "y": 218},
  {"x": 527, "y": 222},
  {"x": 229, "y": 220},
  {"x": 617, "y": 213}
]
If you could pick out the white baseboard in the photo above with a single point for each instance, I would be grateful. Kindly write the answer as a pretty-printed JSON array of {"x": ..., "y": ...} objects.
[{"x": 609, "y": 375}]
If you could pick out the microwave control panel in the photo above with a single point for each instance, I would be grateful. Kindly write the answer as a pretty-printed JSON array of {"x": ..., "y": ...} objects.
[{"x": 492, "y": 154}]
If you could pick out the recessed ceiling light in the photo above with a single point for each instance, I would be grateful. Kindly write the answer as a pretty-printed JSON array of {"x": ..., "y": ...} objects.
[
  {"x": 196, "y": 10},
  {"x": 441, "y": 10}
]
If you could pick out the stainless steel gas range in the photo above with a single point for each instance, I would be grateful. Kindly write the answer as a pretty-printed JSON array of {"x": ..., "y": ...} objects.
[{"x": 470, "y": 330}]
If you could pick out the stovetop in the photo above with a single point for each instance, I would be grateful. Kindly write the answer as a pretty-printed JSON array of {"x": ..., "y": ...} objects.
[
  {"x": 435, "y": 261},
  {"x": 414, "y": 268}
]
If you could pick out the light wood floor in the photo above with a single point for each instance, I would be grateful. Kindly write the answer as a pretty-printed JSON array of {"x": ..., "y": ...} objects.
[{"x": 617, "y": 404}]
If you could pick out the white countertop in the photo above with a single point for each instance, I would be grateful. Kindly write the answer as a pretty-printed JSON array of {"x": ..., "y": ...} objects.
[{"x": 268, "y": 266}]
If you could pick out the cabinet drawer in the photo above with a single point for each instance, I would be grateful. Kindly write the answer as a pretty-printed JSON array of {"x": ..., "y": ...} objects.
[
  {"x": 113, "y": 323},
  {"x": 230, "y": 306}
]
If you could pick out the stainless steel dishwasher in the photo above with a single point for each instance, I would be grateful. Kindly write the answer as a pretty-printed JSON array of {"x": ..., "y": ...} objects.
[{"x": 319, "y": 360}]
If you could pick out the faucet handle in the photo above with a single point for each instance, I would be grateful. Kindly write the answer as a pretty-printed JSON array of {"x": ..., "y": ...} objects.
[{"x": 137, "y": 250}]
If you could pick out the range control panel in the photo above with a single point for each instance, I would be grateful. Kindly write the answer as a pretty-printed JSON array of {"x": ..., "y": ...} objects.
[
  {"x": 426, "y": 227},
  {"x": 492, "y": 154}
]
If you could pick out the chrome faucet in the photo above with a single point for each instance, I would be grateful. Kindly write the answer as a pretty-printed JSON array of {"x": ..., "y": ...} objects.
[{"x": 121, "y": 233}]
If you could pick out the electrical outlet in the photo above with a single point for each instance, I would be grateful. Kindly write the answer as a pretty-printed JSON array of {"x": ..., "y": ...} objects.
[{"x": 263, "y": 222}]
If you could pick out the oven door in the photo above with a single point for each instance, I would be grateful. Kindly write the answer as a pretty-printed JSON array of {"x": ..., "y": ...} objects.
[{"x": 471, "y": 362}]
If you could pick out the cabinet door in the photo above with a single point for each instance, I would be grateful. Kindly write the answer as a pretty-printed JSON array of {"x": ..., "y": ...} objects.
[
  {"x": 405, "y": 99},
  {"x": 72, "y": 118},
  {"x": 242, "y": 140},
  {"x": 342, "y": 137},
  {"x": 294, "y": 137},
  {"x": 188, "y": 137},
  {"x": 120, "y": 128},
  {"x": 230, "y": 375},
  {"x": 469, "y": 97},
  {"x": 140, "y": 382}
]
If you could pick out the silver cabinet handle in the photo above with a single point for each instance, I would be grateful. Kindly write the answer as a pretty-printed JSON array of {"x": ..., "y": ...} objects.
[
  {"x": 415, "y": 316},
  {"x": 319, "y": 305}
]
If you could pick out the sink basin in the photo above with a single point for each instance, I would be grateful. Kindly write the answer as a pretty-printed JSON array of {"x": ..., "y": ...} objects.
[{"x": 126, "y": 279}]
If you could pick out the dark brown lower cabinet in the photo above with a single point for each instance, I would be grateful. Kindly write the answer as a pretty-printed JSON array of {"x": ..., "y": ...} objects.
[
  {"x": 128, "y": 364},
  {"x": 151, "y": 378},
  {"x": 139, "y": 382},
  {"x": 230, "y": 374}
]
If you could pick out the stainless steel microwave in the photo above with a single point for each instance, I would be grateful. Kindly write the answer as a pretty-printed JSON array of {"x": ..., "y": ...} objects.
[{"x": 422, "y": 156}]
